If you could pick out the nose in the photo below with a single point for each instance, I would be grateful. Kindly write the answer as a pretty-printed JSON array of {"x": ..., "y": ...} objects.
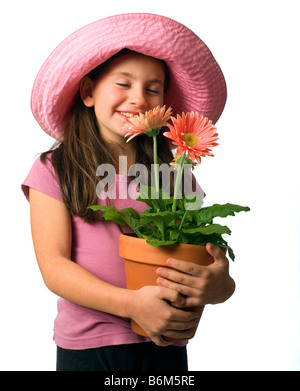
[{"x": 137, "y": 98}]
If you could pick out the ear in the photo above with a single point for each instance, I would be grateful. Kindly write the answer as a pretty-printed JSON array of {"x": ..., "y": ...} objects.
[{"x": 86, "y": 91}]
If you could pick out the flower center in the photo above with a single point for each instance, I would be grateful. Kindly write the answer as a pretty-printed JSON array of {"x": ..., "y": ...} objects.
[{"x": 190, "y": 139}]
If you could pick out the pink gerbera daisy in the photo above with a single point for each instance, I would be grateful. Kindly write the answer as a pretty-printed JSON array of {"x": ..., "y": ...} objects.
[
  {"x": 193, "y": 134},
  {"x": 149, "y": 123}
]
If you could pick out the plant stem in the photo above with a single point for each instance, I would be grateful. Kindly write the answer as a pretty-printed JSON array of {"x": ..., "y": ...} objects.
[
  {"x": 178, "y": 179},
  {"x": 156, "y": 177},
  {"x": 182, "y": 220}
]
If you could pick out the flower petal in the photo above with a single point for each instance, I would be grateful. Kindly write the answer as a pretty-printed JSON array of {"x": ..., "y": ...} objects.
[
  {"x": 193, "y": 134},
  {"x": 149, "y": 123}
]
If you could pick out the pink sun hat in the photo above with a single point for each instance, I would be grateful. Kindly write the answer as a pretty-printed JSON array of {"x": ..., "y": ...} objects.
[{"x": 196, "y": 80}]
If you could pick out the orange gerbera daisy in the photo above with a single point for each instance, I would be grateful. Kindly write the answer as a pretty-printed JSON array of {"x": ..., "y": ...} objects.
[
  {"x": 149, "y": 123},
  {"x": 193, "y": 134}
]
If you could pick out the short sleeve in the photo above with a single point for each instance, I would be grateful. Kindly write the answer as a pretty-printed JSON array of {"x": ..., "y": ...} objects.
[{"x": 42, "y": 177}]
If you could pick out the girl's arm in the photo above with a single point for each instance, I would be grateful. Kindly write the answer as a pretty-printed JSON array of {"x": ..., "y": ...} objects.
[
  {"x": 51, "y": 232},
  {"x": 201, "y": 284}
]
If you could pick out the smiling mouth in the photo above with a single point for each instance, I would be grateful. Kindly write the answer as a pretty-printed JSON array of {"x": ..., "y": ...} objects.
[{"x": 128, "y": 115}]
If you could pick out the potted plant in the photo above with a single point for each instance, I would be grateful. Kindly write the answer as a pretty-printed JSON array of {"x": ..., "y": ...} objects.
[{"x": 173, "y": 225}]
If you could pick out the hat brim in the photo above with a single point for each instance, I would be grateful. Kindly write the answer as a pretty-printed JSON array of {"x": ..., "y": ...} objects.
[{"x": 196, "y": 80}]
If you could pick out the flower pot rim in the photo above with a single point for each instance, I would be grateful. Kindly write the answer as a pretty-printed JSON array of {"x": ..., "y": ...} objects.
[
  {"x": 170, "y": 246},
  {"x": 135, "y": 249}
]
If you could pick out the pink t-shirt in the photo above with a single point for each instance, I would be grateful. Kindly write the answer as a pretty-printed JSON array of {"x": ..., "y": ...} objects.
[{"x": 94, "y": 247}]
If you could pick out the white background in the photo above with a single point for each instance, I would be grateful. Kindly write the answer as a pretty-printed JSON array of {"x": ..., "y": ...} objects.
[{"x": 257, "y": 164}]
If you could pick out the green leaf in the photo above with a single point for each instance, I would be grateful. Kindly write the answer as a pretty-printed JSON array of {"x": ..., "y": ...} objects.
[
  {"x": 179, "y": 236},
  {"x": 157, "y": 243},
  {"x": 202, "y": 240},
  {"x": 209, "y": 230},
  {"x": 217, "y": 210},
  {"x": 157, "y": 201},
  {"x": 230, "y": 253},
  {"x": 97, "y": 207},
  {"x": 127, "y": 216},
  {"x": 109, "y": 213},
  {"x": 161, "y": 219}
]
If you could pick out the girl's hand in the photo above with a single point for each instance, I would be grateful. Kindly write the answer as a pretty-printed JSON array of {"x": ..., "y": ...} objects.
[
  {"x": 153, "y": 308},
  {"x": 200, "y": 285}
]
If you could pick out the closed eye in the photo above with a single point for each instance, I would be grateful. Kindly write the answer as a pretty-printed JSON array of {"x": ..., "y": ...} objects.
[
  {"x": 123, "y": 85},
  {"x": 153, "y": 90}
]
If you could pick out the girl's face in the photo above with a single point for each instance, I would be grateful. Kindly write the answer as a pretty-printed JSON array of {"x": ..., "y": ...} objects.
[{"x": 133, "y": 83}]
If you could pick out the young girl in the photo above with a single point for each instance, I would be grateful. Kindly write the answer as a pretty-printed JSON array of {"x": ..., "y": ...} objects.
[{"x": 82, "y": 96}]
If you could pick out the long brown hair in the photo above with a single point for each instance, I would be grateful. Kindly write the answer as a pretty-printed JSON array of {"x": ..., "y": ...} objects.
[{"x": 76, "y": 158}]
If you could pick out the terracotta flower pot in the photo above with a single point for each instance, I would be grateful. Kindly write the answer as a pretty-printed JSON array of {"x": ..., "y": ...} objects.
[{"x": 142, "y": 260}]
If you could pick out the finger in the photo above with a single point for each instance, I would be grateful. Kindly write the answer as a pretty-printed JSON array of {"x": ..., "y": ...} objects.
[
  {"x": 171, "y": 296},
  {"x": 180, "y": 335},
  {"x": 182, "y": 289},
  {"x": 179, "y": 277},
  {"x": 195, "y": 301},
  {"x": 183, "y": 326},
  {"x": 218, "y": 253},
  {"x": 184, "y": 266},
  {"x": 192, "y": 296},
  {"x": 159, "y": 340},
  {"x": 185, "y": 317}
]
